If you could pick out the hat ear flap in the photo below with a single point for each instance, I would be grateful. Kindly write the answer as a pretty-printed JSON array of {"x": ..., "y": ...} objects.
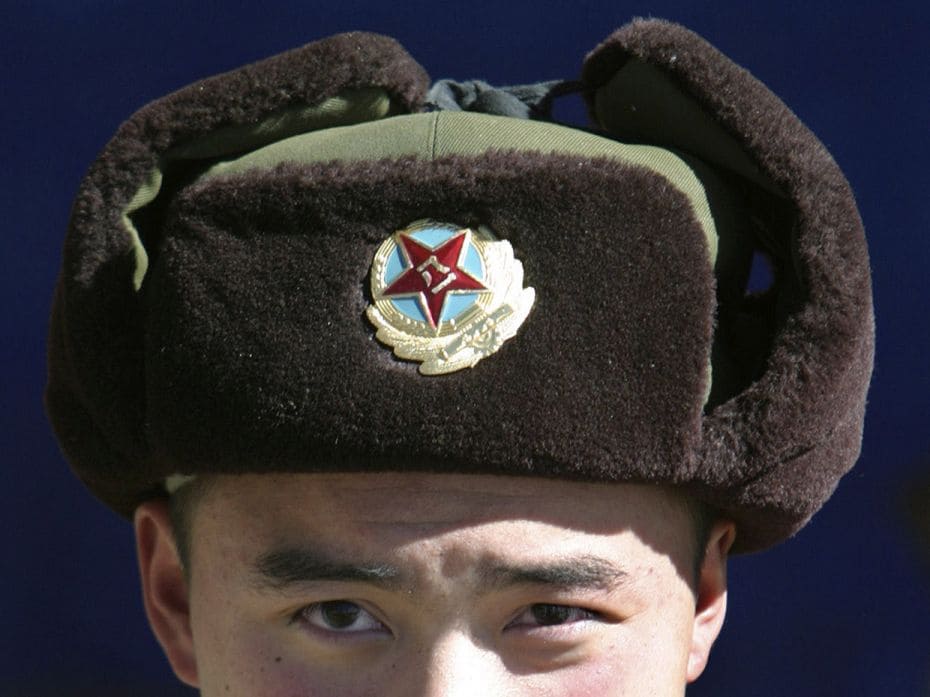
[
  {"x": 96, "y": 368},
  {"x": 789, "y": 424}
]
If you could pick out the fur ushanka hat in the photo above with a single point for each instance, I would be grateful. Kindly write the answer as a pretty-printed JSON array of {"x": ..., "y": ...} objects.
[{"x": 315, "y": 263}]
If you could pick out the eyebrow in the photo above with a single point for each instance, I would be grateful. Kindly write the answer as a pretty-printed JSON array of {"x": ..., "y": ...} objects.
[
  {"x": 586, "y": 572},
  {"x": 286, "y": 568}
]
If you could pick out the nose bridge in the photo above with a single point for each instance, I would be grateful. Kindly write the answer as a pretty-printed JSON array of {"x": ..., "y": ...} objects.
[{"x": 456, "y": 665}]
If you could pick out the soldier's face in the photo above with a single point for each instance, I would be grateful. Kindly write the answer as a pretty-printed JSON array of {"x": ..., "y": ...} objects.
[{"x": 416, "y": 585}]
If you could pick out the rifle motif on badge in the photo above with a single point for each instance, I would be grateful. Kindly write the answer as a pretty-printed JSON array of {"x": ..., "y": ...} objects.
[{"x": 446, "y": 296}]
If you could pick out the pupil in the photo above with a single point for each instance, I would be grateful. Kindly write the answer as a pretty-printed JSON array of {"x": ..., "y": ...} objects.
[
  {"x": 339, "y": 614},
  {"x": 551, "y": 614}
]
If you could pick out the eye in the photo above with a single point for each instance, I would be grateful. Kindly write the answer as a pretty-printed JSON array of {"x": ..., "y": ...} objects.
[
  {"x": 342, "y": 616},
  {"x": 548, "y": 615}
]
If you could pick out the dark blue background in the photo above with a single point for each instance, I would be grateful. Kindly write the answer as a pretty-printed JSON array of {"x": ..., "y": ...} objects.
[{"x": 844, "y": 609}]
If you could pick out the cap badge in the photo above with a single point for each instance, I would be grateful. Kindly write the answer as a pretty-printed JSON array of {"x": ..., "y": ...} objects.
[{"x": 446, "y": 296}]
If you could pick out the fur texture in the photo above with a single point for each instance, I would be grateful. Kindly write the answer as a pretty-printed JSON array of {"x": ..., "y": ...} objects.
[
  {"x": 96, "y": 390},
  {"x": 247, "y": 347},
  {"x": 780, "y": 446}
]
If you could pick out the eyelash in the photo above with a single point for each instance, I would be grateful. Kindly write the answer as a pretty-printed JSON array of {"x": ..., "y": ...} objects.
[
  {"x": 579, "y": 614},
  {"x": 305, "y": 617},
  {"x": 310, "y": 617}
]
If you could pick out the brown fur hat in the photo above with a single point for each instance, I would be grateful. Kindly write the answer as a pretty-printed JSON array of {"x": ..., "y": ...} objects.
[{"x": 227, "y": 301}]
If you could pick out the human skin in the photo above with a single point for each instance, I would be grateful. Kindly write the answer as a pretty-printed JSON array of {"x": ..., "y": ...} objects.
[{"x": 427, "y": 585}]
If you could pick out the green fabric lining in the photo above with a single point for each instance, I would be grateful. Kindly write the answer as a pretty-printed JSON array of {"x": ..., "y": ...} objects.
[
  {"x": 348, "y": 107},
  {"x": 641, "y": 102},
  {"x": 145, "y": 194}
]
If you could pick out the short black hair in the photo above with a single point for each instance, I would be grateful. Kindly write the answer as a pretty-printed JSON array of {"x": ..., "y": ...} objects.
[{"x": 703, "y": 518}]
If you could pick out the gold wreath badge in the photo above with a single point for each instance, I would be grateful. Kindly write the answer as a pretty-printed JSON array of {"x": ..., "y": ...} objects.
[{"x": 446, "y": 296}]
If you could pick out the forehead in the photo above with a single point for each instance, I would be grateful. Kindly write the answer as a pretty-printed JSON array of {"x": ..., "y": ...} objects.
[{"x": 377, "y": 512}]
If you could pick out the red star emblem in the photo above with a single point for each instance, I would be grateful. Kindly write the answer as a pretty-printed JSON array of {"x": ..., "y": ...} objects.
[{"x": 433, "y": 273}]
